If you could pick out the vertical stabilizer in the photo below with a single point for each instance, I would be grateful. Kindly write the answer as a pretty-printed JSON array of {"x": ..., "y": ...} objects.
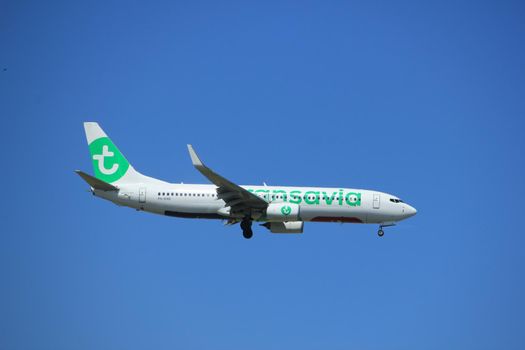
[{"x": 109, "y": 164}]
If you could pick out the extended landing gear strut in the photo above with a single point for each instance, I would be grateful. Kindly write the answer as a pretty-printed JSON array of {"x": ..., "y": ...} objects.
[
  {"x": 380, "y": 232},
  {"x": 246, "y": 225}
]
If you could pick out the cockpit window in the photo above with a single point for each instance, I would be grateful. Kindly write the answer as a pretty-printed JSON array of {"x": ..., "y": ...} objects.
[{"x": 395, "y": 200}]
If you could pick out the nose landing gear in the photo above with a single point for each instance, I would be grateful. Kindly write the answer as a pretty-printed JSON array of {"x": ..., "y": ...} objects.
[
  {"x": 380, "y": 232},
  {"x": 246, "y": 226}
]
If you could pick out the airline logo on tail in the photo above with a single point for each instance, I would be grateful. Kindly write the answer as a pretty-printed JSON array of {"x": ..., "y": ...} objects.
[
  {"x": 100, "y": 159},
  {"x": 109, "y": 164}
]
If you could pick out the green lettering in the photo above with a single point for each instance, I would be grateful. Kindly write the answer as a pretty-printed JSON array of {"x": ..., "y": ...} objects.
[
  {"x": 353, "y": 199},
  {"x": 265, "y": 193},
  {"x": 307, "y": 199},
  {"x": 330, "y": 199},
  {"x": 285, "y": 195},
  {"x": 295, "y": 197}
]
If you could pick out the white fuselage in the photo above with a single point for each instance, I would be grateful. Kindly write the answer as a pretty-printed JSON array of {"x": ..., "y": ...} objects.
[
  {"x": 315, "y": 203},
  {"x": 281, "y": 209}
]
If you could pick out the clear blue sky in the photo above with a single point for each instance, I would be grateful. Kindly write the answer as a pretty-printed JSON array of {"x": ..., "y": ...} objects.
[{"x": 425, "y": 101}]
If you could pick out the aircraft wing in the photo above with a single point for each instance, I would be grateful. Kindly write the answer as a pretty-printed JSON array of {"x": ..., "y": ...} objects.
[{"x": 236, "y": 197}]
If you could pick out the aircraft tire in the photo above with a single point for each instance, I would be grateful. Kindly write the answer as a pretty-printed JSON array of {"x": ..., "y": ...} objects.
[
  {"x": 247, "y": 233},
  {"x": 246, "y": 224}
]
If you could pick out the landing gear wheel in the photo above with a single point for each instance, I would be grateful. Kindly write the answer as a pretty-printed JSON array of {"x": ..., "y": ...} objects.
[
  {"x": 246, "y": 226},
  {"x": 247, "y": 233},
  {"x": 380, "y": 233}
]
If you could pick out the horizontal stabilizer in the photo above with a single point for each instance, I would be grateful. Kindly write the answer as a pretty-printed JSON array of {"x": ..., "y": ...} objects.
[{"x": 96, "y": 183}]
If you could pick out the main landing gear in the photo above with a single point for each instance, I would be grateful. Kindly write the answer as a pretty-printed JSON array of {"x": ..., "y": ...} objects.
[{"x": 246, "y": 225}]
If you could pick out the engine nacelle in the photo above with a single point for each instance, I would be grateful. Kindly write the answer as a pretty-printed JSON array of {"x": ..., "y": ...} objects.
[
  {"x": 282, "y": 212},
  {"x": 285, "y": 227}
]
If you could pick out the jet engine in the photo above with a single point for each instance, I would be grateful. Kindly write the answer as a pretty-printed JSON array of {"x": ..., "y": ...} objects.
[
  {"x": 282, "y": 212},
  {"x": 285, "y": 227}
]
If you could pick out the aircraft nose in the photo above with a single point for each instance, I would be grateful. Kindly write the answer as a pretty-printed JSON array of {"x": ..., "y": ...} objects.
[{"x": 410, "y": 210}]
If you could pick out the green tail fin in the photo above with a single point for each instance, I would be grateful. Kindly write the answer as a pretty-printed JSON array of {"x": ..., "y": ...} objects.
[{"x": 109, "y": 164}]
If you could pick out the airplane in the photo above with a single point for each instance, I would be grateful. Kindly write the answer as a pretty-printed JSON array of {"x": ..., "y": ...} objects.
[{"x": 281, "y": 209}]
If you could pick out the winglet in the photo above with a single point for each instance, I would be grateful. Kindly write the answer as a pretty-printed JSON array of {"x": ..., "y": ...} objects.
[
  {"x": 194, "y": 157},
  {"x": 226, "y": 186}
]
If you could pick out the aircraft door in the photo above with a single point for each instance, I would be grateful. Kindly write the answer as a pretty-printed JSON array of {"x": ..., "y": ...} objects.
[
  {"x": 142, "y": 195},
  {"x": 377, "y": 200}
]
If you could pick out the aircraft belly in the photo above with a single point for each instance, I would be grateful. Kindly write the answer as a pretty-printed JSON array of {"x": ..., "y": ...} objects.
[
  {"x": 332, "y": 214},
  {"x": 193, "y": 207}
]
